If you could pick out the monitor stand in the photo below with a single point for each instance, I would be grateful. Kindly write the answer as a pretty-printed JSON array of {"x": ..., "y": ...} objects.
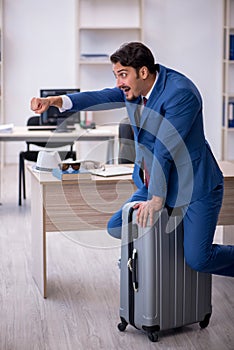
[
  {"x": 62, "y": 129},
  {"x": 62, "y": 126}
]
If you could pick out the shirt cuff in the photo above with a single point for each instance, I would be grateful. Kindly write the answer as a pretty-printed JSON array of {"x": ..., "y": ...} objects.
[{"x": 66, "y": 104}]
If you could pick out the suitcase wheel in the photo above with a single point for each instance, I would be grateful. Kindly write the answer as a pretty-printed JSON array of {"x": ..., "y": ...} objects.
[
  {"x": 122, "y": 325},
  {"x": 205, "y": 322},
  {"x": 153, "y": 336}
]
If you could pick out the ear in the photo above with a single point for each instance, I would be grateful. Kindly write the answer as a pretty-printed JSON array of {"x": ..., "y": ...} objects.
[{"x": 144, "y": 72}]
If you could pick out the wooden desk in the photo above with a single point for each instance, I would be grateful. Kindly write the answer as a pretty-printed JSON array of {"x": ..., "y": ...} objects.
[
  {"x": 21, "y": 133},
  {"x": 70, "y": 206},
  {"x": 88, "y": 204},
  {"x": 226, "y": 216}
]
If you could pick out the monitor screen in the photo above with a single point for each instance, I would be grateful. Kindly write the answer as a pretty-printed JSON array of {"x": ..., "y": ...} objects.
[{"x": 53, "y": 116}]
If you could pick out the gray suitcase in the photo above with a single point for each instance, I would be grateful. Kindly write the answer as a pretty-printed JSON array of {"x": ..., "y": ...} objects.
[{"x": 158, "y": 290}]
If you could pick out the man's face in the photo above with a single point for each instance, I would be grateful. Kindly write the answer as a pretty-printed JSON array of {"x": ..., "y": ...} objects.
[{"x": 128, "y": 81}]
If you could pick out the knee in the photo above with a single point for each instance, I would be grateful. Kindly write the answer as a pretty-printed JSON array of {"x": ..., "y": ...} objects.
[
  {"x": 195, "y": 265},
  {"x": 113, "y": 230},
  {"x": 198, "y": 262}
]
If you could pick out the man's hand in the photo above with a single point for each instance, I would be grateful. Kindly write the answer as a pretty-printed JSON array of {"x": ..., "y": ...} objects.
[
  {"x": 148, "y": 208},
  {"x": 40, "y": 105}
]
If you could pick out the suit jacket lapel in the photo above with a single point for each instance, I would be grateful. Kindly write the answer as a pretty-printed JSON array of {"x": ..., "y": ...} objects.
[{"x": 157, "y": 90}]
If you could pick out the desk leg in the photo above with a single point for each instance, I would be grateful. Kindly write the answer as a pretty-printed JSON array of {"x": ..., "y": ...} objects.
[{"x": 38, "y": 235}]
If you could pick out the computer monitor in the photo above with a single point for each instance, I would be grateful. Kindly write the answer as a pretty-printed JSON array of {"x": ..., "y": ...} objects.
[{"x": 53, "y": 116}]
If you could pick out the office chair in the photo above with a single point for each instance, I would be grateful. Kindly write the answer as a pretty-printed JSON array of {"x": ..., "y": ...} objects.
[
  {"x": 31, "y": 155},
  {"x": 127, "y": 151}
]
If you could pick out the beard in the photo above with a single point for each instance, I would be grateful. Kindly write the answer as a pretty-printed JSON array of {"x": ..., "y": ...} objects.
[{"x": 129, "y": 96}]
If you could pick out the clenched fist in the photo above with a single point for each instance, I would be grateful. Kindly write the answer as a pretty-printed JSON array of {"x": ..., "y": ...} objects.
[{"x": 39, "y": 105}]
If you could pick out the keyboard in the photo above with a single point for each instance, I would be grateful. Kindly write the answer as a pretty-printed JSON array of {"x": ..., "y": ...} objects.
[
  {"x": 41, "y": 128},
  {"x": 48, "y": 128}
]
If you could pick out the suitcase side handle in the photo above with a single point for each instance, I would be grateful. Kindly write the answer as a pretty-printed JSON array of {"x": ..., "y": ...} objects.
[{"x": 132, "y": 265}]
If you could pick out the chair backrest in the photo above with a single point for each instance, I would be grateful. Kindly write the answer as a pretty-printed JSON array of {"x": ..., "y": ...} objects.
[
  {"x": 127, "y": 152},
  {"x": 35, "y": 121}
]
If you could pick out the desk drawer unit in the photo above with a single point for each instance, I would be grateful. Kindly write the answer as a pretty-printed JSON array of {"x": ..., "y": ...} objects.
[
  {"x": 226, "y": 212},
  {"x": 86, "y": 205}
]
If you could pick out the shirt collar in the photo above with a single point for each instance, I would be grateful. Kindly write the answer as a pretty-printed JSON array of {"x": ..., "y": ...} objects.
[{"x": 149, "y": 93}]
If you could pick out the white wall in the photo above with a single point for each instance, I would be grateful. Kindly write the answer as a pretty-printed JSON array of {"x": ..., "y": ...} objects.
[
  {"x": 40, "y": 51},
  {"x": 187, "y": 36}
]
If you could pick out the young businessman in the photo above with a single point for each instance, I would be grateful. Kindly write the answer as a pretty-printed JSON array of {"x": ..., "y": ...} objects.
[{"x": 179, "y": 166}]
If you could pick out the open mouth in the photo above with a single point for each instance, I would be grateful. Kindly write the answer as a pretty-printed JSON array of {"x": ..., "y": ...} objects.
[{"x": 126, "y": 89}]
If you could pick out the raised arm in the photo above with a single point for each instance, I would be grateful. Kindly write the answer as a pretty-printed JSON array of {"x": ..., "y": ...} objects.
[
  {"x": 109, "y": 98},
  {"x": 40, "y": 105}
]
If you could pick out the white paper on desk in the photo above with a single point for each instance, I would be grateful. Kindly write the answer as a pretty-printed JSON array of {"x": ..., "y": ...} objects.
[
  {"x": 98, "y": 131},
  {"x": 112, "y": 171},
  {"x": 6, "y": 127}
]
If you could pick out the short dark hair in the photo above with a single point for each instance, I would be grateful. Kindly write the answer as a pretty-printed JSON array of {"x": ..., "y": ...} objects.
[{"x": 136, "y": 55}]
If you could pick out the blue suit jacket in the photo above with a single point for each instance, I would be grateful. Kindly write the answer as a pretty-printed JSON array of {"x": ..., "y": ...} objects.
[{"x": 170, "y": 140}]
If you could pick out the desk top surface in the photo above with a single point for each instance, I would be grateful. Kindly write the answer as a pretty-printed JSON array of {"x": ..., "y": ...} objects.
[
  {"x": 21, "y": 133},
  {"x": 226, "y": 167},
  {"x": 48, "y": 178}
]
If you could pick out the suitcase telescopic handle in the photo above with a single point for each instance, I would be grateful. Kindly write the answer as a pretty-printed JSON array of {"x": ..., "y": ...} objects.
[{"x": 132, "y": 265}]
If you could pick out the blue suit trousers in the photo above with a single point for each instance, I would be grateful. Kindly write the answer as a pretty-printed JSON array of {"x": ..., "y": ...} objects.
[{"x": 200, "y": 219}]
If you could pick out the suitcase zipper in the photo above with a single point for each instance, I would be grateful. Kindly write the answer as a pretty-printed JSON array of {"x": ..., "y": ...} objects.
[{"x": 131, "y": 298}]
